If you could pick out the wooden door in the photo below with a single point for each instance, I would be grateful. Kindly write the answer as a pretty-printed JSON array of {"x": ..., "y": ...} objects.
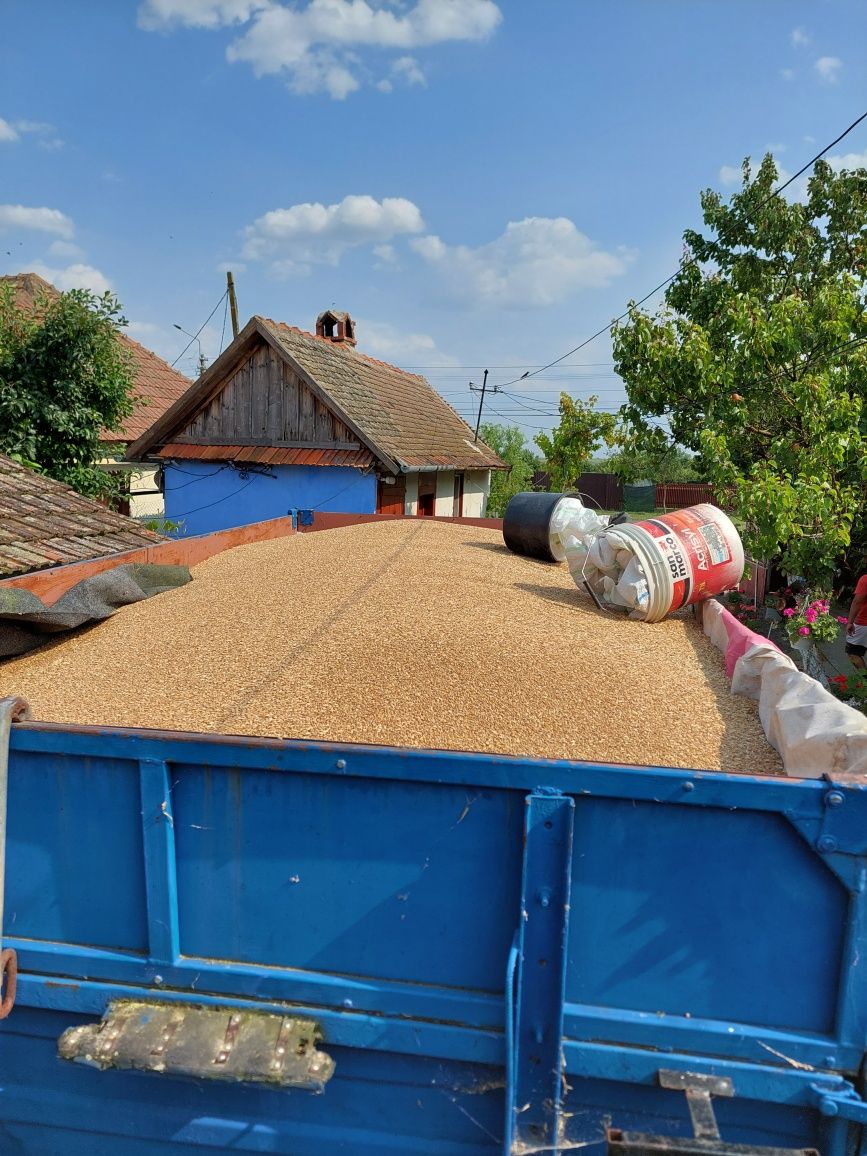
[
  {"x": 427, "y": 495},
  {"x": 391, "y": 497}
]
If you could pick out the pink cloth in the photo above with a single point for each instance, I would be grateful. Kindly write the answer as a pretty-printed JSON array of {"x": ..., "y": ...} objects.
[{"x": 741, "y": 638}]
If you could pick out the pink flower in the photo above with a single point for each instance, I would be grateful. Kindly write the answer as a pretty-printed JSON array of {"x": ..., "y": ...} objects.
[
  {"x": 811, "y": 615},
  {"x": 804, "y": 630},
  {"x": 789, "y": 612},
  {"x": 844, "y": 621}
]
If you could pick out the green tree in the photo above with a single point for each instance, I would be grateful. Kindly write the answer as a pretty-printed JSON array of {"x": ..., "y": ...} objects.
[
  {"x": 572, "y": 444},
  {"x": 642, "y": 457},
  {"x": 757, "y": 360},
  {"x": 64, "y": 378},
  {"x": 508, "y": 442}
]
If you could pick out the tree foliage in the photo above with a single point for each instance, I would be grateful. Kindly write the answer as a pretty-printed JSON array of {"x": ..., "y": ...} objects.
[
  {"x": 757, "y": 361},
  {"x": 571, "y": 445},
  {"x": 64, "y": 378},
  {"x": 508, "y": 442},
  {"x": 645, "y": 458}
]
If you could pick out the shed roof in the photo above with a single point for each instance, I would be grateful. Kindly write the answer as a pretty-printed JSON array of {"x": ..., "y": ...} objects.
[
  {"x": 45, "y": 523},
  {"x": 156, "y": 384},
  {"x": 398, "y": 415}
]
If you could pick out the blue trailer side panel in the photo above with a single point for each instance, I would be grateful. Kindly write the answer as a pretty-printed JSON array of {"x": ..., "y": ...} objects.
[
  {"x": 207, "y": 496},
  {"x": 415, "y": 904}
]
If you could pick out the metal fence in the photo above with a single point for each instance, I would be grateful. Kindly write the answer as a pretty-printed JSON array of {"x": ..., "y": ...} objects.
[
  {"x": 602, "y": 490},
  {"x": 676, "y": 497}
]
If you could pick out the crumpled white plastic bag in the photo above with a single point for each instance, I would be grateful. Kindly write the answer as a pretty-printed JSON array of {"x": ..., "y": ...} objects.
[
  {"x": 814, "y": 733},
  {"x": 600, "y": 557}
]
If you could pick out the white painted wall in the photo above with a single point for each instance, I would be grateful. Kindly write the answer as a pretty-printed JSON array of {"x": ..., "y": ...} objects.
[
  {"x": 147, "y": 505},
  {"x": 477, "y": 486},
  {"x": 411, "y": 501},
  {"x": 445, "y": 499}
]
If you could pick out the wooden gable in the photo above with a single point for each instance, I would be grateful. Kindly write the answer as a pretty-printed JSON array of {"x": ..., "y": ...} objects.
[{"x": 264, "y": 402}]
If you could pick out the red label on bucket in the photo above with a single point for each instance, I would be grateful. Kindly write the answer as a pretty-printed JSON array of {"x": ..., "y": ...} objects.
[{"x": 701, "y": 549}]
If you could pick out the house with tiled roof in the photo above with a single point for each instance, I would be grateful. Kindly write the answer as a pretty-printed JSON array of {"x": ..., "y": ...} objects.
[
  {"x": 156, "y": 386},
  {"x": 45, "y": 523},
  {"x": 289, "y": 420}
]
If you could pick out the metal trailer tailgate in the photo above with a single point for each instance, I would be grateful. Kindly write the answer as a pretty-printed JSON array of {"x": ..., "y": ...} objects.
[{"x": 497, "y": 955}]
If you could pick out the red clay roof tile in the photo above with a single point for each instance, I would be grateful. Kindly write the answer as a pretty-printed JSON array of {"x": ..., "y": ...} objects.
[{"x": 45, "y": 522}]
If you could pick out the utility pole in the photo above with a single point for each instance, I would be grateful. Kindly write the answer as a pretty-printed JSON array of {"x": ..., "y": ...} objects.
[
  {"x": 481, "y": 389},
  {"x": 233, "y": 303}
]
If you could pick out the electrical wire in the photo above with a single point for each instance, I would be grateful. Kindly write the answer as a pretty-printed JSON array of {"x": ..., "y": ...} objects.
[
  {"x": 331, "y": 497},
  {"x": 693, "y": 260},
  {"x": 196, "y": 477},
  {"x": 225, "y": 317},
  {"x": 225, "y": 498},
  {"x": 199, "y": 330}
]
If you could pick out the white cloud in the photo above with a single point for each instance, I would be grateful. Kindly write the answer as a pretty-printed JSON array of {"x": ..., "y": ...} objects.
[
  {"x": 829, "y": 68},
  {"x": 14, "y": 130},
  {"x": 380, "y": 339},
  {"x": 848, "y": 161},
  {"x": 787, "y": 73},
  {"x": 407, "y": 68},
  {"x": 42, "y": 220},
  {"x": 800, "y": 37},
  {"x": 66, "y": 250},
  {"x": 158, "y": 15},
  {"x": 315, "y": 45},
  {"x": 315, "y": 233},
  {"x": 386, "y": 254},
  {"x": 537, "y": 261},
  {"x": 78, "y": 276},
  {"x": 730, "y": 174}
]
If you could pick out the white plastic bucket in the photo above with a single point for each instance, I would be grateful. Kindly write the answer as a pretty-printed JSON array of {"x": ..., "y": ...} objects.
[{"x": 687, "y": 556}]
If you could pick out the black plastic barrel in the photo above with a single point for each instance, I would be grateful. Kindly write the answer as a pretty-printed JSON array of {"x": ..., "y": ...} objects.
[{"x": 527, "y": 525}]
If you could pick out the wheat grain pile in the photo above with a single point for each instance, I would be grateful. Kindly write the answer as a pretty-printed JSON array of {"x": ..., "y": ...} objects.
[{"x": 408, "y": 633}]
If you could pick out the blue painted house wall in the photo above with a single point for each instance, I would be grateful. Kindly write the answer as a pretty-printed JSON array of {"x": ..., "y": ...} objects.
[{"x": 208, "y": 496}]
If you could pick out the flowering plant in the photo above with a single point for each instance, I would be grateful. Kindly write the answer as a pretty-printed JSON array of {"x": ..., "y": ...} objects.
[
  {"x": 745, "y": 610},
  {"x": 812, "y": 618},
  {"x": 850, "y": 688}
]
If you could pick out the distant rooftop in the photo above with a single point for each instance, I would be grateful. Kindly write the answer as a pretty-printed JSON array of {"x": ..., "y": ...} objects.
[
  {"x": 155, "y": 383},
  {"x": 45, "y": 523}
]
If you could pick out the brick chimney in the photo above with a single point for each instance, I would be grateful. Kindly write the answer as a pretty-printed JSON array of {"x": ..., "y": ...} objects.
[{"x": 336, "y": 326}]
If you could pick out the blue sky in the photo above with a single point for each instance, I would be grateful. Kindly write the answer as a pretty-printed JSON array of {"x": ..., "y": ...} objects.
[{"x": 477, "y": 183}]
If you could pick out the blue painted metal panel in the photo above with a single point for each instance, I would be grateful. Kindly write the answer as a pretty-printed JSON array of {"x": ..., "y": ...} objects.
[
  {"x": 77, "y": 874},
  {"x": 667, "y": 912},
  {"x": 282, "y": 872},
  {"x": 208, "y": 496},
  {"x": 380, "y": 893}
]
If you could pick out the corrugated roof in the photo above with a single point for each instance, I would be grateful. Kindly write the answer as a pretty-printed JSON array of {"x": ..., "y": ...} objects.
[
  {"x": 155, "y": 383},
  {"x": 400, "y": 412},
  {"x": 268, "y": 455},
  {"x": 45, "y": 523}
]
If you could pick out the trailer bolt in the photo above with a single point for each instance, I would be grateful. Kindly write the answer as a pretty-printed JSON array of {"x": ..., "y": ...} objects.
[
  {"x": 828, "y": 1107},
  {"x": 830, "y": 1061},
  {"x": 341, "y": 764},
  {"x": 689, "y": 786},
  {"x": 827, "y": 843},
  {"x": 158, "y": 979},
  {"x": 834, "y": 799}
]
